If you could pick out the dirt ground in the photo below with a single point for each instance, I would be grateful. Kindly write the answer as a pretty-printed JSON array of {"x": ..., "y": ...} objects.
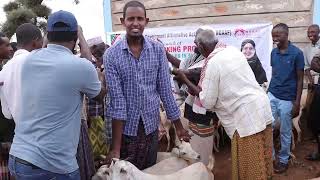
[{"x": 299, "y": 169}]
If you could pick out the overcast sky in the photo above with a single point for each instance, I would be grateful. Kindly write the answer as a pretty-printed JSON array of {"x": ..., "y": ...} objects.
[{"x": 89, "y": 14}]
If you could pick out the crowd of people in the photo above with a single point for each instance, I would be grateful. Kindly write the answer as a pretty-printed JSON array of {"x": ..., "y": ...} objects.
[{"x": 63, "y": 108}]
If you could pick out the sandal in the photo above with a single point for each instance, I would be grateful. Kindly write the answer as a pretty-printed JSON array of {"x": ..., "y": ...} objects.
[{"x": 313, "y": 157}]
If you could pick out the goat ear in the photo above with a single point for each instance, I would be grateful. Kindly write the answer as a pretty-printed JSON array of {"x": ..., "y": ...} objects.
[
  {"x": 114, "y": 160},
  {"x": 112, "y": 163},
  {"x": 106, "y": 172},
  {"x": 122, "y": 170}
]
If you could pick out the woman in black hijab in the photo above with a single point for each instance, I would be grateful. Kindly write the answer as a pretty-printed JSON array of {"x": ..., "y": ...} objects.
[{"x": 248, "y": 48}]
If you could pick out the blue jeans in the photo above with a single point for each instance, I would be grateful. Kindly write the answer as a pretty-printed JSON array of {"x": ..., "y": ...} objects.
[
  {"x": 25, "y": 172},
  {"x": 281, "y": 110}
]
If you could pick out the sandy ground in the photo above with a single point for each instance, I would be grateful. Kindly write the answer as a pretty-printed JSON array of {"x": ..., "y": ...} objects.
[{"x": 299, "y": 169}]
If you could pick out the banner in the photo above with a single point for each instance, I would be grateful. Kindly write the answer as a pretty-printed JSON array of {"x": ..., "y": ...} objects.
[{"x": 179, "y": 41}]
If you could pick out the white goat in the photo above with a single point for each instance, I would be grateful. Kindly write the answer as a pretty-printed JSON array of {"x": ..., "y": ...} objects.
[
  {"x": 167, "y": 166},
  {"x": 182, "y": 150},
  {"x": 124, "y": 170},
  {"x": 296, "y": 120},
  {"x": 174, "y": 164}
]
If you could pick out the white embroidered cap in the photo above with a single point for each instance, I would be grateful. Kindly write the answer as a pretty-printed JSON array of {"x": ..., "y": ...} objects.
[{"x": 94, "y": 41}]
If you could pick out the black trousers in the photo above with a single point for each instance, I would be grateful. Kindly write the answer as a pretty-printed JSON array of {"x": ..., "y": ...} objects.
[
  {"x": 140, "y": 150},
  {"x": 314, "y": 117}
]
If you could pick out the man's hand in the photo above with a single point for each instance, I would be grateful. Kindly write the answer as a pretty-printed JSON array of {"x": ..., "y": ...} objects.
[
  {"x": 308, "y": 73},
  {"x": 182, "y": 134},
  {"x": 179, "y": 75},
  {"x": 80, "y": 31},
  {"x": 84, "y": 47},
  {"x": 315, "y": 63},
  {"x": 117, "y": 128},
  {"x": 295, "y": 110},
  {"x": 110, "y": 155}
]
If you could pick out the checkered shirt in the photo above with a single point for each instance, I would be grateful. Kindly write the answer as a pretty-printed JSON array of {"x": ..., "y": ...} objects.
[{"x": 137, "y": 85}]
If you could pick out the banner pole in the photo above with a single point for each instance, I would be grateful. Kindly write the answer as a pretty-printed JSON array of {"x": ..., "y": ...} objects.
[{"x": 107, "y": 15}]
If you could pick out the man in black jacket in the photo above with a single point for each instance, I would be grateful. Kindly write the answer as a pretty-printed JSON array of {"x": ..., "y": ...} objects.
[{"x": 314, "y": 111}]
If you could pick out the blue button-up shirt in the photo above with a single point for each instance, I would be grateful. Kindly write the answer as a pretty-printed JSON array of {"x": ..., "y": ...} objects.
[
  {"x": 284, "y": 79},
  {"x": 137, "y": 85},
  {"x": 48, "y": 119}
]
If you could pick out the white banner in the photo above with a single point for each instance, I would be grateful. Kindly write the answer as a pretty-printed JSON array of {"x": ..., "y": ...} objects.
[{"x": 179, "y": 41}]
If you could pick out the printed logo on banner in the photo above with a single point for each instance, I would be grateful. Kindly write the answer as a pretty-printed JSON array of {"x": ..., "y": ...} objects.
[{"x": 241, "y": 32}]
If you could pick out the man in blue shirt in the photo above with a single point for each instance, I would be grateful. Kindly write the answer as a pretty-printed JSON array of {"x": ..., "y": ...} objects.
[
  {"x": 48, "y": 124},
  {"x": 137, "y": 76},
  {"x": 285, "y": 88}
]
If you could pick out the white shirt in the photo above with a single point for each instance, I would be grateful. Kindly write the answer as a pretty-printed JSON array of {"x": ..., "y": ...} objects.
[
  {"x": 309, "y": 52},
  {"x": 230, "y": 89},
  {"x": 4, "y": 105},
  {"x": 10, "y": 75}
]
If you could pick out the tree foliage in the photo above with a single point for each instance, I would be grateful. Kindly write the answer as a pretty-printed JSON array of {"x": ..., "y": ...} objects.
[
  {"x": 10, "y": 7},
  {"x": 24, "y": 11},
  {"x": 15, "y": 19}
]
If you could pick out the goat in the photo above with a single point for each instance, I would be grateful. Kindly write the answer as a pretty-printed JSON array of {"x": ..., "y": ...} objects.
[
  {"x": 296, "y": 120},
  {"x": 124, "y": 170},
  {"x": 174, "y": 164},
  {"x": 183, "y": 150}
]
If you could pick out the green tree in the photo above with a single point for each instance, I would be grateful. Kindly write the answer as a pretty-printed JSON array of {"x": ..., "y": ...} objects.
[{"x": 25, "y": 11}]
